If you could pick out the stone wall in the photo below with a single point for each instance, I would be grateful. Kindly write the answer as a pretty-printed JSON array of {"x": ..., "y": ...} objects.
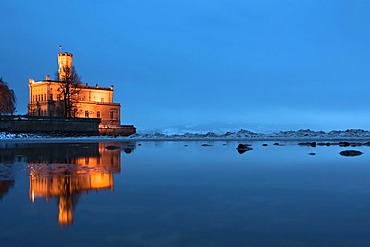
[
  {"x": 48, "y": 125},
  {"x": 123, "y": 130}
]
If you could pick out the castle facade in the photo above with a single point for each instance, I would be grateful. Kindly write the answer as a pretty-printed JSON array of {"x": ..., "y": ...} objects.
[{"x": 46, "y": 99}]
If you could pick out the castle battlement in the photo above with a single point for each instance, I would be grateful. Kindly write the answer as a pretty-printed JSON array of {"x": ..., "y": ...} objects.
[{"x": 65, "y": 54}]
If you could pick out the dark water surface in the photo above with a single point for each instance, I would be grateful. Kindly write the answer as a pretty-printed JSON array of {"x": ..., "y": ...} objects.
[{"x": 183, "y": 194}]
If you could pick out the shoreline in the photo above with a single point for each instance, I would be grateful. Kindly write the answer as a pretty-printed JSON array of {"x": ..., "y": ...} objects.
[
  {"x": 350, "y": 135},
  {"x": 178, "y": 139}
]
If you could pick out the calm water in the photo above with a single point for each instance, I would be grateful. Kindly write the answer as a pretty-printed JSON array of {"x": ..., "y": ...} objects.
[{"x": 182, "y": 194}]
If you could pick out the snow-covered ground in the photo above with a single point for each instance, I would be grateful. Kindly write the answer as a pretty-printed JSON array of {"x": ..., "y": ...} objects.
[
  {"x": 4, "y": 135},
  {"x": 351, "y": 134}
]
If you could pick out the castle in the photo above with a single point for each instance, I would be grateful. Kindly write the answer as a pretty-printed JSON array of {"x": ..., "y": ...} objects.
[{"x": 47, "y": 100}]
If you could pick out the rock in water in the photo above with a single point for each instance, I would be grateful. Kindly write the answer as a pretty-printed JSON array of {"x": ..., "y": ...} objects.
[
  {"x": 350, "y": 153},
  {"x": 242, "y": 148},
  {"x": 344, "y": 144}
]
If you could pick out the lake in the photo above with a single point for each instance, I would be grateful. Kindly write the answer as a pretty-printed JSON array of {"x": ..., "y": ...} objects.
[{"x": 183, "y": 194}]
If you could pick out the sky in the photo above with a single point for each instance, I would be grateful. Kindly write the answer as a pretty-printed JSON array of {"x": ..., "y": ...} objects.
[{"x": 178, "y": 65}]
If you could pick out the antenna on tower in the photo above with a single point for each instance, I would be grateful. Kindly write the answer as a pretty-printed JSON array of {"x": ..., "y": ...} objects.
[{"x": 60, "y": 48}]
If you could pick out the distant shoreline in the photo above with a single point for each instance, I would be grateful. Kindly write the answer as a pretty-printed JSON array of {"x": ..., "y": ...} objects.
[
  {"x": 126, "y": 139},
  {"x": 242, "y": 135}
]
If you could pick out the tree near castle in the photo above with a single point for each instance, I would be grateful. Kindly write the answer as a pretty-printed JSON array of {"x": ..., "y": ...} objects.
[
  {"x": 7, "y": 98},
  {"x": 69, "y": 82}
]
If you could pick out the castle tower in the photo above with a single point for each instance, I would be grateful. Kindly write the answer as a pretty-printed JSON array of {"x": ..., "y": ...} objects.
[{"x": 64, "y": 61}]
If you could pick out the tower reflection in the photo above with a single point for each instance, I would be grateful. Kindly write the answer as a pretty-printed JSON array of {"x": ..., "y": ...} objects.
[
  {"x": 6, "y": 171},
  {"x": 67, "y": 171}
]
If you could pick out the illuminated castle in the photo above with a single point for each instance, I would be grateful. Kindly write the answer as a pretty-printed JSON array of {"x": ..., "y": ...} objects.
[{"x": 89, "y": 101}]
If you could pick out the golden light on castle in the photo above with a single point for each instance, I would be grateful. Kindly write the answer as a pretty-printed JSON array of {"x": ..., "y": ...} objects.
[
  {"x": 64, "y": 61},
  {"x": 51, "y": 98},
  {"x": 90, "y": 101}
]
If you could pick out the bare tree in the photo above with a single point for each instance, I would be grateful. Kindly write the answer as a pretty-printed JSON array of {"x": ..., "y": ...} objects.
[
  {"x": 69, "y": 83},
  {"x": 7, "y": 99}
]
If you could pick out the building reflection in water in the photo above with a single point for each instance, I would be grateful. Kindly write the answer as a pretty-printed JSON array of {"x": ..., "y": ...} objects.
[
  {"x": 5, "y": 186},
  {"x": 6, "y": 170},
  {"x": 67, "y": 171}
]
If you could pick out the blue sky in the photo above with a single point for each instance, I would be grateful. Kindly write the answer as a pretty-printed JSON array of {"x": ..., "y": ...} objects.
[{"x": 262, "y": 65}]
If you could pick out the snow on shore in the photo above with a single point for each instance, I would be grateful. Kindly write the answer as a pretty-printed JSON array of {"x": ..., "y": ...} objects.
[
  {"x": 246, "y": 134},
  {"x": 4, "y": 135},
  {"x": 240, "y": 135}
]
